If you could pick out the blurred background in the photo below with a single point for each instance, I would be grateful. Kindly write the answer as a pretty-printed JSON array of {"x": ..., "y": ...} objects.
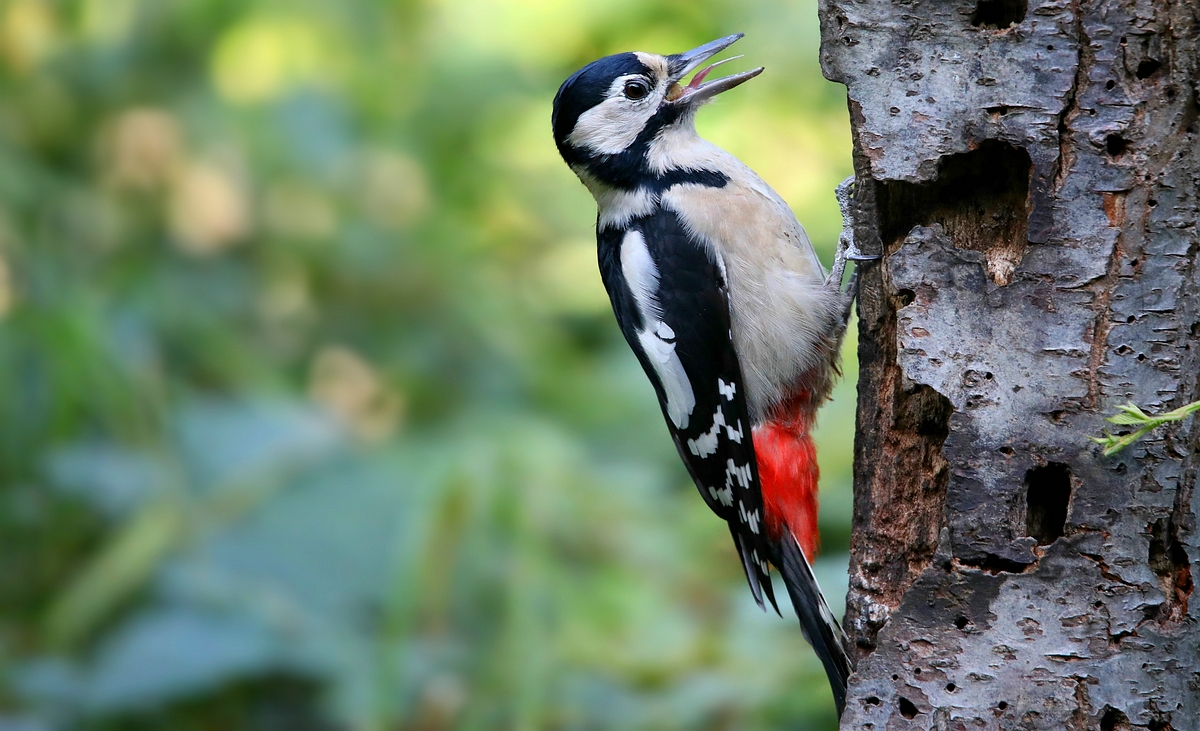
[{"x": 313, "y": 413}]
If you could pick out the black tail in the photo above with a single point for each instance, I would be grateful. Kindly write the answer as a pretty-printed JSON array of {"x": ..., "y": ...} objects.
[{"x": 816, "y": 620}]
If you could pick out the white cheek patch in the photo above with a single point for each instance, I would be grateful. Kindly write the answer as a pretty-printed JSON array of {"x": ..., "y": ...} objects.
[
  {"x": 656, "y": 337},
  {"x": 614, "y": 124}
]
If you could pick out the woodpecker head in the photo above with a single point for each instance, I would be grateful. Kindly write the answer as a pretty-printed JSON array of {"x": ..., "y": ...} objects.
[{"x": 608, "y": 114}]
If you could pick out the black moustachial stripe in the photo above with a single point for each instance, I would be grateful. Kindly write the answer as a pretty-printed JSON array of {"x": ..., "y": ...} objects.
[{"x": 627, "y": 169}]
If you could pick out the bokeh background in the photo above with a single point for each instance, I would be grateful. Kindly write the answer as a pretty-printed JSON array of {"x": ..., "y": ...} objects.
[{"x": 313, "y": 414}]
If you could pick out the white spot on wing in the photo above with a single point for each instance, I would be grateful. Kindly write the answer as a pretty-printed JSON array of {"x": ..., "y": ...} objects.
[
  {"x": 741, "y": 474},
  {"x": 725, "y": 495},
  {"x": 706, "y": 444},
  {"x": 727, "y": 389},
  {"x": 734, "y": 434},
  {"x": 656, "y": 338}
]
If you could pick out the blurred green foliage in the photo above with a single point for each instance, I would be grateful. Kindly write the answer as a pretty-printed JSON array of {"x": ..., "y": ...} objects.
[{"x": 314, "y": 414}]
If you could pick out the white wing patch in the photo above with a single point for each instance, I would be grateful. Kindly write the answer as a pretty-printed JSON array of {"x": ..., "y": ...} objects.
[
  {"x": 656, "y": 338},
  {"x": 727, "y": 389},
  {"x": 642, "y": 276}
]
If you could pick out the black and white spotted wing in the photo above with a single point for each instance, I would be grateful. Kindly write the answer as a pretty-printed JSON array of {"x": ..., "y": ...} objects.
[{"x": 670, "y": 299}]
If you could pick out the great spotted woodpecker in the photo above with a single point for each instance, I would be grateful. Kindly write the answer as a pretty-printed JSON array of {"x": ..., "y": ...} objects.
[{"x": 719, "y": 293}]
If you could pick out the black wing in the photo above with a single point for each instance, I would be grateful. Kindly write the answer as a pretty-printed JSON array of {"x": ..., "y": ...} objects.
[{"x": 674, "y": 311}]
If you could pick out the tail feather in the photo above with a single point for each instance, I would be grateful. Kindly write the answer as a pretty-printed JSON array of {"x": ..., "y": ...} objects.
[
  {"x": 817, "y": 622},
  {"x": 760, "y": 580}
]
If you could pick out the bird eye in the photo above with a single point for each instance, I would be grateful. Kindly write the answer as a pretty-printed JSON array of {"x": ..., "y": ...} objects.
[{"x": 636, "y": 89}]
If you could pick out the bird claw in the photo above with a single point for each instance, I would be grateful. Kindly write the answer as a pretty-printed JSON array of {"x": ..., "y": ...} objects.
[{"x": 847, "y": 250}]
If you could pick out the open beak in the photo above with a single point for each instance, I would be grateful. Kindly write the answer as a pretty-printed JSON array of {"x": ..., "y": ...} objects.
[{"x": 696, "y": 91}]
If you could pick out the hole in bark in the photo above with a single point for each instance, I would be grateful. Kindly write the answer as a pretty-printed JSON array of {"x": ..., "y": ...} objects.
[
  {"x": 1057, "y": 416},
  {"x": 1002, "y": 705},
  {"x": 916, "y": 671},
  {"x": 1115, "y": 145},
  {"x": 1047, "y": 495},
  {"x": 1007, "y": 451},
  {"x": 999, "y": 13},
  {"x": 873, "y": 701},
  {"x": 1152, "y": 203},
  {"x": 993, "y": 564},
  {"x": 1169, "y": 561},
  {"x": 1147, "y": 68},
  {"x": 951, "y": 687},
  {"x": 905, "y": 296},
  {"x": 907, "y": 708},
  {"x": 1110, "y": 84},
  {"x": 999, "y": 111},
  {"x": 980, "y": 198},
  {"x": 961, "y": 622},
  {"x": 1114, "y": 719}
]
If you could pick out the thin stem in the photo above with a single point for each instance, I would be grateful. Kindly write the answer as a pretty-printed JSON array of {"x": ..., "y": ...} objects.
[{"x": 1130, "y": 415}]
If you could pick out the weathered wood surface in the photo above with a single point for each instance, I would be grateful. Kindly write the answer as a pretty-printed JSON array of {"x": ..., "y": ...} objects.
[{"x": 1034, "y": 191}]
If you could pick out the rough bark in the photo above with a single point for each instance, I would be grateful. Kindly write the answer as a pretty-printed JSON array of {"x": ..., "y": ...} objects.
[{"x": 1029, "y": 172}]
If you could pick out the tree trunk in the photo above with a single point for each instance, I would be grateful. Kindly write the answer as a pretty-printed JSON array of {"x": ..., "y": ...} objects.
[{"x": 1029, "y": 171}]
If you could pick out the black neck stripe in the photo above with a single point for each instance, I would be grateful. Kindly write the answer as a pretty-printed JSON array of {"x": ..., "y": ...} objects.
[{"x": 705, "y": 178}]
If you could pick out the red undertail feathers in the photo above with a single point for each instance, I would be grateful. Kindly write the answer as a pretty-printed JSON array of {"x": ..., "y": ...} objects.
[{"x": 788, "y": 472}]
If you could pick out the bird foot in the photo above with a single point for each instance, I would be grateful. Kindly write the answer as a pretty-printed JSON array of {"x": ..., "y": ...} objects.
[{"x": 847, "y": 249}]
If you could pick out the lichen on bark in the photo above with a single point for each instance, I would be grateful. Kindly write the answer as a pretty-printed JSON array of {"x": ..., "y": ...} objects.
[{"x": 1029, "y": 172}]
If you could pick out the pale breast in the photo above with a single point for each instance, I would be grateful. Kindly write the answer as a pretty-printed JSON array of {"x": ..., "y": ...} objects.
[{"x": 781, "y": 312}]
